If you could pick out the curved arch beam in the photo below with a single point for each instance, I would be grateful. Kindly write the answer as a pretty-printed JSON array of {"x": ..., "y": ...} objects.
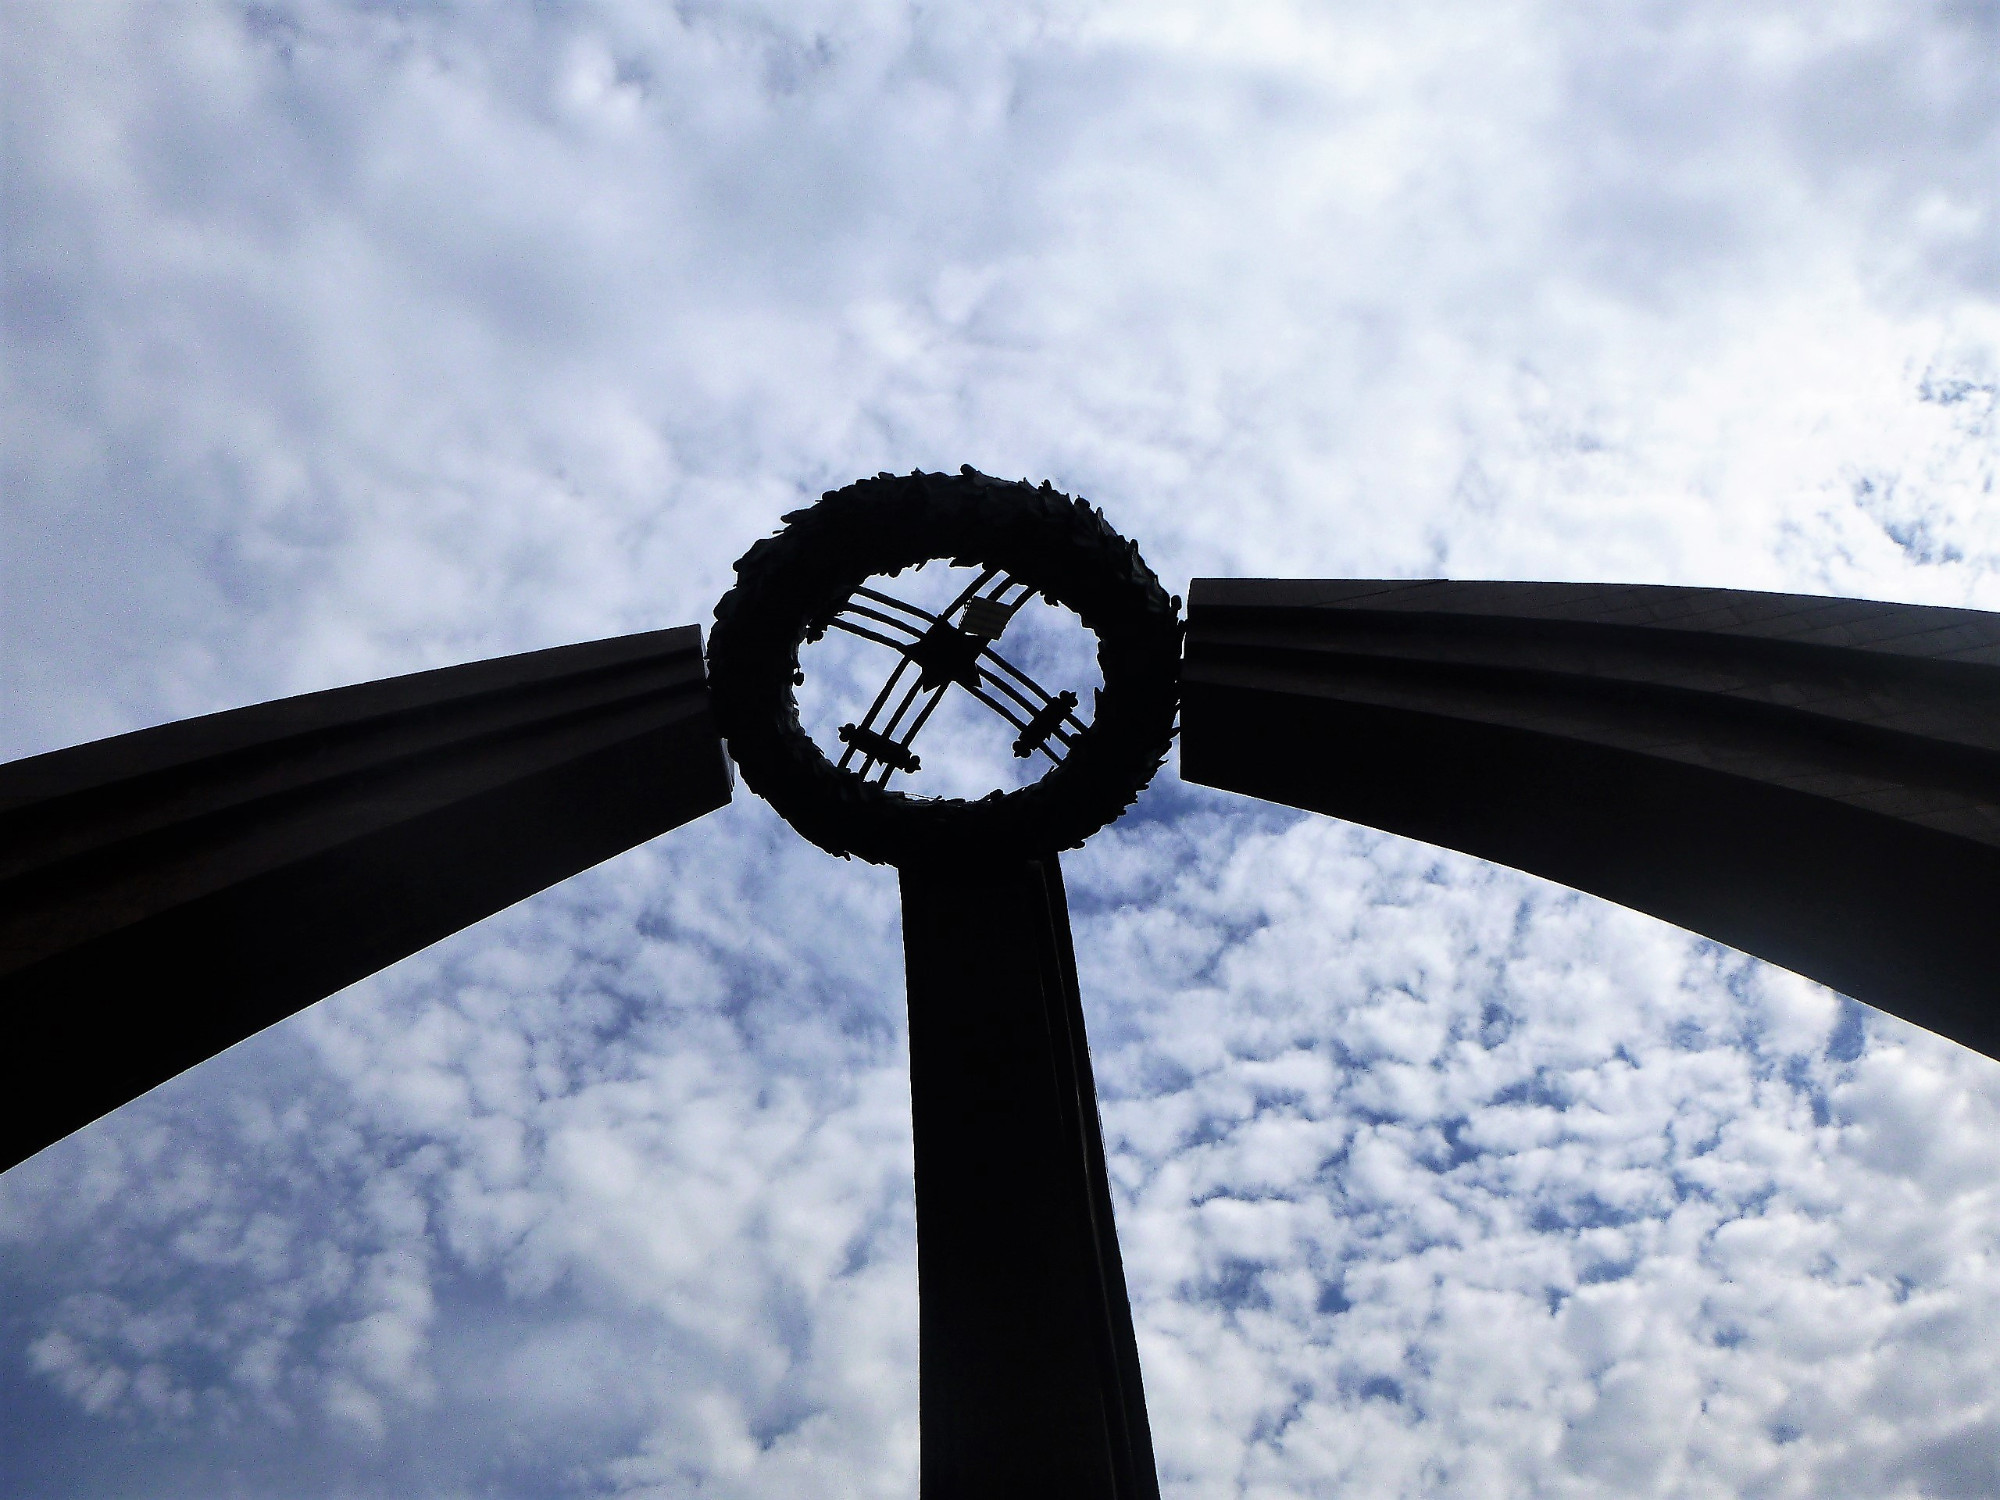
[
  {"x": 1814, "y": 781},
  {"x": 167, "y": 893}
]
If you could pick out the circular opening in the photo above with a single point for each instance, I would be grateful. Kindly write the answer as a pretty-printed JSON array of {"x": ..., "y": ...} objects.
[{"x": 948, "y": 681}]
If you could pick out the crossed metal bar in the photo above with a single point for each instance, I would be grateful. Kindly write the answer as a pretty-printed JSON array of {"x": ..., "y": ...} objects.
[{"x": 1049, "y": 725}]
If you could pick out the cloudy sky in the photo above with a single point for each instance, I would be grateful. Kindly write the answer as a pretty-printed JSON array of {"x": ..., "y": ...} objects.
[{"x": 350, "y": 339}]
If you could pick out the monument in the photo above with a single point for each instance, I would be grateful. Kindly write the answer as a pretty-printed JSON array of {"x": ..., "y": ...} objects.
[{"x": 1815, "y": 781}]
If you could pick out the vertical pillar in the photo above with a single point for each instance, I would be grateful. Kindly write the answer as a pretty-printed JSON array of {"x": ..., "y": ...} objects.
[{"x": 1029, "y": 1381}]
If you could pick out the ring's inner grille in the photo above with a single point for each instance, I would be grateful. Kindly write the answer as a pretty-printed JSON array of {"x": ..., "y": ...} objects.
[{"x": 948, "y": 681}]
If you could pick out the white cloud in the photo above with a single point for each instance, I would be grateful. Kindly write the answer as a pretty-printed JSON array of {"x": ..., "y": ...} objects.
[
  {"x": 344, "y": 340},
  {"x": 1500, "y": 1190}
]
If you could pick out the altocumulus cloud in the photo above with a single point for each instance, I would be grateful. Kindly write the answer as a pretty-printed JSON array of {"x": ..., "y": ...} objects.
[{"x": 352, "y": 339}]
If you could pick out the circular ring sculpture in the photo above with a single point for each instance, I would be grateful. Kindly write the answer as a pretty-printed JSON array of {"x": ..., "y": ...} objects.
[{"x": 812, "y": 577}]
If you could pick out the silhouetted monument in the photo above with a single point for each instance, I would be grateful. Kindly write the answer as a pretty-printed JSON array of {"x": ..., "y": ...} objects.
[{"x": 1815, "y": 781}]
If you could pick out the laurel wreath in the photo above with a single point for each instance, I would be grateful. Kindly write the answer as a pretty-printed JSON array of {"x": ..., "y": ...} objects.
[{"x": 788, "y": 587}]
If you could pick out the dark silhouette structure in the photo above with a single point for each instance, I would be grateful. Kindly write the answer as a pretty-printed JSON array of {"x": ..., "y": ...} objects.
[
  {"x": 1816, "y": 781},
  {"x": 1029, "y": 1379},
  {"x": 1029, "y": 1375},
  {"x": 165, "y": 894}
]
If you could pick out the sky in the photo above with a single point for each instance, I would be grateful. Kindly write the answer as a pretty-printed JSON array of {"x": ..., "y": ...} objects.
[{"x": 349, "y": 339}]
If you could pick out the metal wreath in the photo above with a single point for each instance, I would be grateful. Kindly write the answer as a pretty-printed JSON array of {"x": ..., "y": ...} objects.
[{"x": 792, "y": 587}]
